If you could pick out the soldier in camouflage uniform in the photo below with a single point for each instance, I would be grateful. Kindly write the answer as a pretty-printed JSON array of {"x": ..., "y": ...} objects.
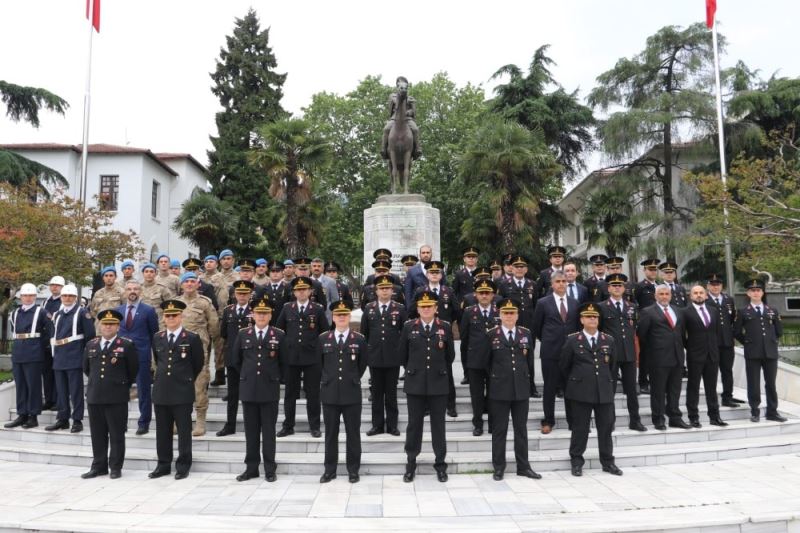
[
  {"x": 211, "y": 276},
  {"x": 154, "y": 294},
  {"x": 226, "y": 263},
  {"x": 167, "y": 278},
  {"x": 109, "y": 297},
  {"x": 127, "y": 269}
]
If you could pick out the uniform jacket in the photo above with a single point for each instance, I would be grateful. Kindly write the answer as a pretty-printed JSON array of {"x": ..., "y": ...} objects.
[
  {"x": 663, "y": 344},
  {"x": 277, "y": 297},
  {"x": 302, "y": 332},
  {"x": 550, "y": 329},
  {"x": 200, "y": 316},
  {"x": 52, "y": 305},
  {"x": 111, "y": 372},
  {"x": 591, "y": 286},
  {"x": 758, "y": 334},
  {"x": 230, "y": 326},
  {"x": 701, "y": 342},
  {"x": 507, "y": 364},
  {"x": 30, "y": 331},
  {"x": 679, "y": 298},
  {"x": 317, "y": 294},
  {"x": 727, "y": 316},
  {"x": 621, "y": 327},
  {"x": 369, "y": 295},
  {"x": 342, "y": 367},
  {"x": 177, "y": 368},
  {"x": 463, "y": 283},
  {"x": 447, "y": 307},
  {"x": 105, "y": 298},
  {"x": 475, "y": 332},
  {"x": 629, "y": 295},
  {"x": 382, "y": 332},
  {"x": 145, "y": 325},
  {"x": 78, "y": 325},
  {"x": 526, "y": 296},
  {"x": 588, "y": 372},
  {"x": 645, "y": 293},
  {"x": 543, "y": 282},
  {"x": 261, "y": 366},
  {"x": 471, "y": 299},
  {"x": 426, "y": 357}
]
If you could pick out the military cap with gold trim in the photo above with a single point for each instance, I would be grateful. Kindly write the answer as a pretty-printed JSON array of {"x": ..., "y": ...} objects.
[
  {"x": 651, "y": 262},
  {"x": 434, "y": 266},
  {"x": 754, "y": 283},
  {"x": 247, "y": 264},
  {"x": 109, "y": 316},
  {"x": 616, "y": 279},
  {"x": 243, "y": 286},
  {"x": 495, "y": 265},
  {"x": 615, "y": 261},
  {"x": 384, "y": 280},
  {"x": 589, "y": 309},
  {"x": 556, "y": 250},
  {"x": 519, "y": 260},
  {"x": 172, "y": 307},
  {"x": 342, "y": 307},
  {"x": 508, "y": 258},
  {"x": 668, "y": 266},
  {"x": 192, "y": 263},
  {"x": 470, "y": 250},
  {"x": 332, "y": 266},
  {"x": 426, "y": 298},
  {"x": 263, "y": 305},
  {"x": 382, "y": 253},
  {"x": 301, "y": 282},
  {"x": 275, "y": 265},
  {"x": 598, "y": 259},
  {"x": 302, "y": 261},
  {"x": 508, "y": 305},
  {"x": 485, "y": 285},
  {"x": 482, "y": 273},
  {"x": 714, "y": 279},
  {"x": 409, "y": 260},
  {"x": 382, "y": 264}
]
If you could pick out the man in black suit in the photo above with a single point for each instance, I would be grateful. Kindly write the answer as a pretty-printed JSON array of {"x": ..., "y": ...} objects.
[
  {"x": 555, "y": 255},
  {"x": 344, "y": 360},
  {"x": 758, "y": 327},
  {"x": 618, "y": 319},
  {"x": 555, "y": 317},
  {"x": 723, "y": 305},
  {"x": 179, "y": 358},
  {"x": 303, "y": 321},
  {"x": 701, "y": 338},
  {"x": 426, "y": 347},
  {"x": 415, "y": 277},
  {"x": 645, "y": 296},
  {"x": 509, "y": 348},
  {"x": 111, "y": 364},
  {"x": 575, "y": 290},
  {"x": 660, "y": 331}
]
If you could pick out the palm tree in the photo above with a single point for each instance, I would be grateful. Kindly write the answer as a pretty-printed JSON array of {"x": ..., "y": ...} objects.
[
  {"x": 289, "y": 154},
  {"x": 207, "y": 222}
]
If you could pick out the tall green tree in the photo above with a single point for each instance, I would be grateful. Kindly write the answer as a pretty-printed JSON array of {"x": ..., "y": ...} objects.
[
  {"x": 289, "y": 152},
  {"x": 207, "y": 222},
  {"x": 249, "y": 90},
  {"x": 653, "y": 96}
]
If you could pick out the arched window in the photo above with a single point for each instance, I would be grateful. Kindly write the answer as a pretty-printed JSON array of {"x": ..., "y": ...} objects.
[{"x": 154, "y": 253}]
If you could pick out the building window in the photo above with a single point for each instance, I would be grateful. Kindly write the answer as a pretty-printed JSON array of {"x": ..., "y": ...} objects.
[
  {"x": 154, "y": 253},
  {"x": 109, "y": 193},
  {"x": 154, "y": 199}
]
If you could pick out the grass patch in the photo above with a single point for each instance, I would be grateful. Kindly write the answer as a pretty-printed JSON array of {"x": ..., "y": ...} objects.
[{"x": 6, "y": 376}]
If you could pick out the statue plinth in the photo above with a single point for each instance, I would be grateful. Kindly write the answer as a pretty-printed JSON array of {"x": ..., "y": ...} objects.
[{"x": 401, "y": 223}]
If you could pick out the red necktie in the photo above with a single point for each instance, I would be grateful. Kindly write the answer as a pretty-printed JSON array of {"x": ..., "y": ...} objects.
[
  {"x": 129, "y": 318},
  {"x": 563, "y": 311},
  {"x": 669, "y": 318}
]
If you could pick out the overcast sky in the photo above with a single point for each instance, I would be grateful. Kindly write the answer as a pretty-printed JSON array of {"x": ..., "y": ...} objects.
[{"x": 150, "y": 83}]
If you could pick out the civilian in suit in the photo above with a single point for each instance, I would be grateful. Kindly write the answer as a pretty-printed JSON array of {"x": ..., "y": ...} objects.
[
  {"x": 555, "y": 317},
  {"x": 111, "y": 362},
  {"x": 344, "y": 360},
  {"x": 260, "y": 361},
  {"x": 723, "y": 305},
  {"x": 73, "y": 327},
  {"x": 758, "y": 327},
  {"x": 139, "y": 324},
  {"x": 179, "y": 358},
  {"x": 660, "y": 331},
  {"x": 555, "y": 255},
  {"x": 575, "y": 290},
  {"x": 701, "y": 339},
  {"x": 645, "y": 296},
  {"x": 51, "y": 306},
  {"x": 415, "y": 277}
]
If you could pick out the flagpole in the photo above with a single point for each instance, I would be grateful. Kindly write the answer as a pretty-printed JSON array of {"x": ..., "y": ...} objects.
[
  {"x": 722, "y": 164},
  {"x": 86, "y": 106}
]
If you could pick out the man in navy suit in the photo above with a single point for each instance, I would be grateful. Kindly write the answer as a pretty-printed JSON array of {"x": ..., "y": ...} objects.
[
  {"x": 575, "y": 290},
  {"x": 416, "y": 278},
  {"x": 139, "y": 324},
  {"x": 555, "y": 317}
]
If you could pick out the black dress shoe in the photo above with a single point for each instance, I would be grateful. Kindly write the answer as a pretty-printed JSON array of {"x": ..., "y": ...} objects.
[
  {"x": 644, "y": 389},
  {"x": 465, "y": 381},
  {"x": 31, "y": 422},
  {"x": 158, "y": 473},
  {"x": 94, "y": 473},
  {"x": 374, "y": 431},
  {"x": 729, "y": 403},
  {"x": 226, "y": 430},
  {"x": 679, "y": 424},
  {"x": 48, "y": 405},
  {"x": 142, "y": 430},
  {"x": 452, "y": 413},
  {"x": 559, "y": 394},
  {"x": 755, "y": 418},
  {"x": 661, "y": 427},
  {"x": 244, "y": 476},
  {"x": 577, "y": 471},
  {"x": 477, "y": 432},
  {"x": 612, "y": 469},
  {"x": 408, "y": 477},
  {"x": 536, "y": 394},
  {"x": 285, "y": 432},
  {"x": 637, "y": 426},
  {"x": 737, "y": 400},
  {"x": 394, "y": 431},
  {"x": 776, "y": 418},
  {"x": 718, "y": 422},
  {"x": 77, "y": 427},
  {"x": 442, "y": 476},
  {"x": 352, "y": 477},
  {"x": 271, "y": 477},
  {"x": 218, "y": 380},
  {"x": 695, "y": 423},
  {"x": 20, "y": 420},
  {"x": 181, "y": 475},
  {"x": 225, "y": 398},
  {"x": 327, "y": 477},
  {"x": 115, "y": 474},
  {"x": 316, "y": 433},
  {"x": 498, "y": 475},
  {"x": 528, "y": 472},
  {"x": 59, "y": 424}
]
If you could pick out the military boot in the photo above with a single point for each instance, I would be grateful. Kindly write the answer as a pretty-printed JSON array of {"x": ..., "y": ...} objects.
[{"x": 200, "y": 424}]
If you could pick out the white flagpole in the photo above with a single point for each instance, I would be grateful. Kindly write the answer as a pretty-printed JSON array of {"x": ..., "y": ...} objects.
[
  {"x": 722, "y": 164},
  {"x": 86, "y": 105}
]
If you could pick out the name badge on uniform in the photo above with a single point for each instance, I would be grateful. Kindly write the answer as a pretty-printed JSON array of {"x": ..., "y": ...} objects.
[
  {"x": 604, "y": 351},
  {"x": 184, "y": 347},
  {"x": 523, "y": 342}
]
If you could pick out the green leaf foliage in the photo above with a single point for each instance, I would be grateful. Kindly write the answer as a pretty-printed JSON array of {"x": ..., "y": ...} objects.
[{"x": 24, "y": 103}]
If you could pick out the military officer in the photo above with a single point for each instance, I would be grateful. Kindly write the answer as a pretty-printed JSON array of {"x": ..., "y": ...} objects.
[
  {"x": 199, "y": 317},
  {"x": 260, "y": 361},
  {"x": 165, "y": 277},
  {"x": 203, "y": 287},
  {"x": 758, "y": 327},
  {"x": 669, "y": 271},
  {"x": 381, "y": 324},
  {"x": 463, "y": 280},
  {"x": 587, "y": 358},
  {"x": 497, "y": 270},
  {"x": 598, "y": 262},
  {"x": 51, "y": 306},
  {"x": 175, "y": 268},
  {"x": 303, "y": 321},
  {"x": 332, "y": 270},
  {"x": 344, "y": 359},
  {"x": 226, "y": 267},
  {"x": 426, "y": 348},
  {"x": 384, "y": 255},
  {"x": 555, "y": 255},
  {"x": 127, "y": 267},
  {"x": 178, "y": 355},
  {"x": 408, "y": 261},
  {"x": 277, "y": 291},
  {"x": 381, "y": 267},
  {"x": 720, "y": 303},
  {"x": 210, "y": 291},
  {"x": 645, "y": 297},
  {"x": 480, "y": 274},
  {"x": 235, "y": 317},
  {"x": 476, "y": 323},
  {"x": 73, "y": 327},
  {"x": 211, "y": 276},
  {"x": 618, "y": 319},
  {"x": 509, "y": 392},
  {"x": 153, "y": 294},
  {"x": 288, "y": 271},
  {"x": 614, "y": 266},
  {"x": 261, "y": 276},
  {"x": 302, "y": 266},
  {"x": 30, "y": 327},
  {"x": 111, "y": 363},
  {"x": 109, "y": 296}
]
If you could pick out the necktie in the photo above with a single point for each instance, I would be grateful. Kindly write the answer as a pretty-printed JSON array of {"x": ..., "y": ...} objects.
[
  {"x": 669, "y": 318},
  {"x": 105, "y": 345},
  {"x": 485, "y": 313},
  {"x": 274, "y": 287},
  {"x": 705, "y": 315},
  {"x": 129, "y": 318},
  {"x": 436, "y": 291},
  {"x": 594, "y": 343},
  {"x": 383, "y": 309},
  {"x": 758, "y": 310},
  {"x": 171, "y": 341},
  {"x": 241, "y": 312},
  {"x": 510, "y": 337},
  {"x": 341, "y": 340},
  {"x": 571, "y": 291},
  {"x": 519, "y": 284},
  {"x": 563, "y": 310},
  {"x": 619, "y": 307},
  {"x": 302, "y": 309},
  {"x": 427, "y": 329},
  {"x": 260, "y": 337}
]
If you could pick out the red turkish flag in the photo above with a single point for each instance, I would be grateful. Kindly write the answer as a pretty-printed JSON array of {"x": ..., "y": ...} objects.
[
  {"x": 711, "y": 11},
  {"x": 95, "y": 13}
]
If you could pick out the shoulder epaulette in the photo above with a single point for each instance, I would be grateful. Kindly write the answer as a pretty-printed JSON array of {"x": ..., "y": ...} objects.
[
  {"x": 573, "y": 334},
  {"x": 206, "y": 297},
  {"x": 277, "y": 329},
  {"x": 523, "y": 328},
  {"x": 358, "y": 334},
  {"x": 231, "y": 306}
]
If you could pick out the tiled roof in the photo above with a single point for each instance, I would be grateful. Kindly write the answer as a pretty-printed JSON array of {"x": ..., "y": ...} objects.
[{"x": 93, "y": 149}]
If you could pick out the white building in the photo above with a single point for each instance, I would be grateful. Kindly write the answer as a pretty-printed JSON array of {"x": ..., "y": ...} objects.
[{"x": 144, "y": 189}]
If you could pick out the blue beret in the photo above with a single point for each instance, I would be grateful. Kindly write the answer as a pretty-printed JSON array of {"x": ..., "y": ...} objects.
[
  {"x": 210, "y": 258},
  {"x": 108, "y": 269},
  {"x": 188, "y": 275},
  {"x": 261, "y": 261},
  {"x": 160, "y": 256},
  {"x": 148, "y": 265},
  {"x": 225, "y": 253},
  {"x": 127, "y": 263},
  {"x": 175, "y": 263},
  {"x": 288, "y": 262},
  {"x": 237, "y": 269}
]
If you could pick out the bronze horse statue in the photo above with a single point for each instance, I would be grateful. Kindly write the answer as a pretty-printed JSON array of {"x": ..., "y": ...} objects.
[{"x": 400, "y": 142}]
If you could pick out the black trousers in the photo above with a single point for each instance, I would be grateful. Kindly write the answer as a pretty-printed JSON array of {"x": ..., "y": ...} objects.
[
  {"x": 28, "y": 379},
  {"x": 69, "y": 384},
  {"x": 180, "y": 416},
  {"x": 384, "y": 396},
  {"x": 707, "y": 371},
  {"x": 665, "y": 389},
  {"x": 233, "y": 397},
  {"x": 604, "y": 422},
  {"x": 451, "y": 388},
  {"x": 479, "y": 396},
  {"x": 332, "y": 415},
  {"x": 552, "y": 382},
  {"x": 644, "y": 369},
  {"x": 627, "y": 370},
  {"x": 417, "y": 404},
  {"x": 259, "y": 434},
  {"x": 49, "y": 378},
  {"x": 107, "y": 423},
  {"x": 726, "y": 358},
  {"x": 310, "y": 375},
  {"x": 754, "y": 368},
  {"x": 519, "y": 420}
]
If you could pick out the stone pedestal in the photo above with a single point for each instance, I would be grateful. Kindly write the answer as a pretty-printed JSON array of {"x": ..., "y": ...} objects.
[{"x": 402, "y": 223}]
